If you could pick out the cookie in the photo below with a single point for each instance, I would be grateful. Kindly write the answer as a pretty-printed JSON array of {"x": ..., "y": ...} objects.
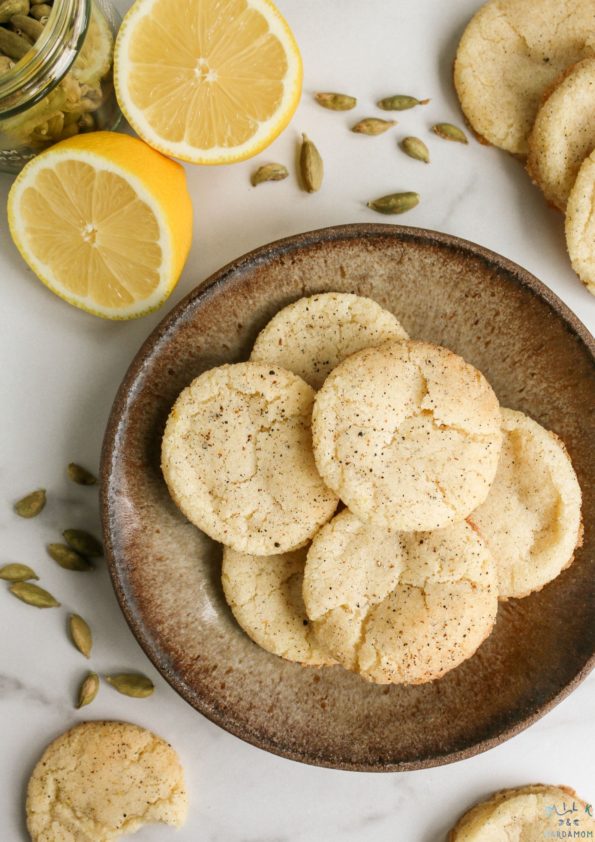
[
  {"x": 531, "y": 813},
  {"x": 265, "y": 596},
  {"x": 399, "y": 608},
  {"x": 531, "y": 519},
  {"x": 580, "y": 224},
  {"x": 237, "y": 459},
  {"x": 103, "y": 780},
  {"x": 510, "y": 54},
  {"x": 313, "y": 335},
  {"x": 564, "y": 133},
  {"x": 408, "y": 435}
]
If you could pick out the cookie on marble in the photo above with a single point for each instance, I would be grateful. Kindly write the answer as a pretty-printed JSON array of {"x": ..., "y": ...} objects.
[
  {"x": 103, "y": 780},
  {"x": 237, "y": 458},
  {"x": 313, "y": 335},
  {"x": 530, "y": 813},
  {"x": 399, "y": 608},
  {"x": 510, "y": 54},
  {"x": 265, "y": 596},
  {"x": 580, "y": 224},
  {"x": 408, "y": 435},
  {"x": 564, "y": 133},
  {"x": 531, "y": 519}
]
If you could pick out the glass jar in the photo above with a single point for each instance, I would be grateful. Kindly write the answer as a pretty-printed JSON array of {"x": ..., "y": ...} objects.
[{"x": 62, "y": 84}]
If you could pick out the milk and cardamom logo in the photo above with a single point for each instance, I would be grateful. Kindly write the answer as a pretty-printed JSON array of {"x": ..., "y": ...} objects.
[{"x": 569, "y": 820}]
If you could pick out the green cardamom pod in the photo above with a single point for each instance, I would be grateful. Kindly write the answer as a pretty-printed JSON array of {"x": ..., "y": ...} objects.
[
  {"x": 33, "y": 595},
  {"x": 8, "y": 8},
  {"x": 449, "y": 132},
  {"x": 17, "y": 573},
  {"x": 32, "y": 504},
  {"x": 336, "y": 102},
  {"x": 12, "y": 45},
  {"x": 395, "y": 203},
  {"x": 311, "y": 166},
  {"x": 83, "y": 542},
  {"x": 41, "y": 12},
  {"x": 416, "y": 148},
  {"x": 81, "y": 634},
  {"x": 88, "y": 689},
  {"x": 67, "y": 558},
  {"x": 6, "y": 64},
  {"x": 400, "y": 102},
  {"x": 131, "y": 684},
  {"x": 29, "y": 26},
  {"x": 373, "y": 126},
  {"x": 269, "y": 172},
  {"x": 80, "y": 475}
]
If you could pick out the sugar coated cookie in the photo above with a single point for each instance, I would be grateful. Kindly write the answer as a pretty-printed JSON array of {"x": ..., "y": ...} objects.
[
  {"x": 580, "y": 224},
  {"x": 103, "y": 780},
  {"x": 510, "y": 54},
  {"x": 237, "y": 458},
  {"x": 408, "y": 435},
  {"x": 399, "y": 608},
  {"x": 531, "y": 519},
  {"x": 265, "y": 596},
  {"x": 313, "y": 335},
  {"x": 528, "y": 813},
  {"x": 564, "y": 133}
]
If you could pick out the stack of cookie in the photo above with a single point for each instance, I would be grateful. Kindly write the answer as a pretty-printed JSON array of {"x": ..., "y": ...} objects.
[
  {"x": 450, "y": 503},
  {"x": 525, "y": 77}
]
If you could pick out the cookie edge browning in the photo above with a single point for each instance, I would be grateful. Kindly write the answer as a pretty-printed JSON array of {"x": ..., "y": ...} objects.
[{"x": 574, "y": 216}]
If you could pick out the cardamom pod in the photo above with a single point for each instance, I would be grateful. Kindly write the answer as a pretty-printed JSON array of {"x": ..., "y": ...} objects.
[
  {"x": 80, "y": 475},
  {"x": 336, "y": 102},
  {"x": 40, "y": 12},
  {"x": 25, "y": 25},
  {"x": 67, "y": 558},
  {"x": 373, "y": 126},
  {"x": 6, "y": 64},
  {"x": 395, "y": 203},
  {"x": 131, "y": 684},
  {"x": 17, "y": 573},
  {"x": 269, "y": 172},
  {"x": 80, "y": 634},
  {"x": 31, "y": 504},
  {"x": 88, "y": 689},
  {"x": 400, "y": 102},
  {"x": 12, "y": 45},
  {"x": 8, "y": 8},
  {"x": 449, "y": 132},
  {"x": 33, "y": 595},
  {"x": 311, "y": 166},
  {"x": 83, "y": 542},
  {"x": 416, "y": 148}
]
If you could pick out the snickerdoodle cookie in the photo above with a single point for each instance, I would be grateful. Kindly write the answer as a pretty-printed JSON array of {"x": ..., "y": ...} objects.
[
  {"x": 408, "y": 435},
  {"x": 237, "y": 458},
  {"x": 399, "y": 608},
  {"x": 510, "y": 54},
  {"x": 531, "y": 519},
  {"x": 580, "y": 224},
  {"x": 313, "y": 335},
  {"x": 265, "y": 596},
  {"x": 103, "y": 780}
]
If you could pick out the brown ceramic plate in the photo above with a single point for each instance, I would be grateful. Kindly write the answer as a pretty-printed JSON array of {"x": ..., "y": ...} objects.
[{"x": 166, "y": 574}]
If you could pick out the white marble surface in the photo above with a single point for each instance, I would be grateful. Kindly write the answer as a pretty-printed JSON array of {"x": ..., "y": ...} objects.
[{"x": 60, "y": 369}]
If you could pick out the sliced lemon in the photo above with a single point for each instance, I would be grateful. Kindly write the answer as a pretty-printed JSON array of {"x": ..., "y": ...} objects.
[
  {"x": 104, "y": 221},
  {"x": 95, "y": 57},
  {"x": 207, "y": 81}
]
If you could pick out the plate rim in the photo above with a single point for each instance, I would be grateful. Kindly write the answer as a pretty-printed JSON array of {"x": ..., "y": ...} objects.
[{"x": 264, "y": 253}]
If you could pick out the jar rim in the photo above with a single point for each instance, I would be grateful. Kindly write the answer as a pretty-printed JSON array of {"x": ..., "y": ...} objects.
[{"x": 47, "y": 62}]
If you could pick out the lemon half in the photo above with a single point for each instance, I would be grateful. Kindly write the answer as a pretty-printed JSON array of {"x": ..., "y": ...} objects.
[{"x": 105, "y": 222}]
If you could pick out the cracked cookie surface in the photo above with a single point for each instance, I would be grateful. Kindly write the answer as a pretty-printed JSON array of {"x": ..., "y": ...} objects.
[
  {"x": 408, "y": 435},
  {"x": 564, "y": 133},
  {"x": 237, "y": 458},
  {"x": 580, "y": 224},
  {"x": 399, "y": 608},
  {"x": 524, "y": 814},
  {"x": 531, "y": 519},
  {"x": 103, "y": 780},
  {"x": 265, "y": 596},
  {"x": 510, "y": 54},
  {"x": 313, "y": 335}
]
